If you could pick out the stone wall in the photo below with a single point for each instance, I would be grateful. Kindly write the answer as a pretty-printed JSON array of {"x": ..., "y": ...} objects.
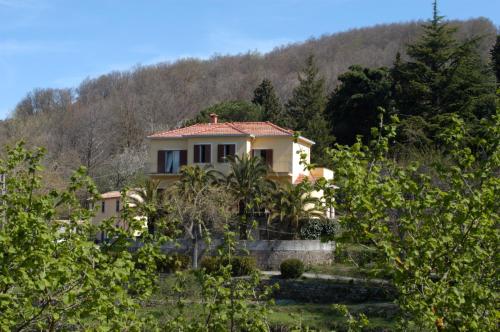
[
  {"x": 268, "y": 253},
  {"x": 330, "y": 291}
]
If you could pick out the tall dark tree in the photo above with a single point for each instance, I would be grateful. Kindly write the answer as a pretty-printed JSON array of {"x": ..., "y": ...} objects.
[
  {"x": 306, "y": 109},
  {"x": 230, "y": 111},
  {"x": 272, "y": 110},
  {"x": 352, "y": 108},
  {"x": 495, "y": 59},
  {"x": 442, "y": 77}
]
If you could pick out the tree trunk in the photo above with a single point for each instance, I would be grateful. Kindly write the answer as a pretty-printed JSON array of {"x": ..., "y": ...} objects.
[
  {"x": 195, "y": 253},
  {"x": 243, "y": 221}
]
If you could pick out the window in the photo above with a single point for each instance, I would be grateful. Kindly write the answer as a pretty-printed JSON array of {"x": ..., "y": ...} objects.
[
  {"x": 265, "y": 154},
  {"x": 170, "y": 161},
  {"x": 202, "y": 153},
  {"x": 224, "y": 151},
  {"x": 103, "y": 207},
  {"x": 117, "y": 205}
]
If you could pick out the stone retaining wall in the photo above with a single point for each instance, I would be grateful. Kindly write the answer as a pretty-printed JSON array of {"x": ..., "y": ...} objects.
[
  {"x": 268, "y": 253},
  {"x": 330, "y": 291}
]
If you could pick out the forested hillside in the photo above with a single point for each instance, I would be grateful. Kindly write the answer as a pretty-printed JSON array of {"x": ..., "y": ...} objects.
[{"x": 103, "y": 122}]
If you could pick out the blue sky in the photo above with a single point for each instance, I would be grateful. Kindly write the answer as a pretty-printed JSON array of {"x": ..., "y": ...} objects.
[{"x": 58, "y": 43}]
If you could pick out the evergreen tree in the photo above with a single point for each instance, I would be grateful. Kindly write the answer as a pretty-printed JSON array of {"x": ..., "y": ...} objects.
[
  {"x": 308, "y": 98},
  {"x": 495, "y": 58},
  {"x": 443, "y": 77},
  {"x": 265, "y": 96},
  {"x": 306, "y": 109},
  {"x": 352, "y": 108}
]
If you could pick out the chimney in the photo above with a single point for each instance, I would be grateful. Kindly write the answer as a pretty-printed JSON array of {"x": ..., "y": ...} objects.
[{"x": 213, "y": 118}]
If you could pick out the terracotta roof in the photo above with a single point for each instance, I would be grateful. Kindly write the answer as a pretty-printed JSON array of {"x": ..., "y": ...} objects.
[
  {"x": 226, "y": 128},
  {"x": 111, "y": 194},
  {"x": 302, "y": 177}
]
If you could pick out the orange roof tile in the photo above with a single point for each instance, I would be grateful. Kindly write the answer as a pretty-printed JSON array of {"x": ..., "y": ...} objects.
[
  {"x": 302, "y": 177},
  {"x": 226, "y": 128}
]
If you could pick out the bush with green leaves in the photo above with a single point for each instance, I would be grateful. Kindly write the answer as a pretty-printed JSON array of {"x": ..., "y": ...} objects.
[
  {"x": 52, "y": 275},
  {"x": 240, "y": 265},
  {"x": 317, "y": 228},
  {"x": 228, "y": 303},
  {"x": 173, "y": 263},
  {"x": 292, "y": 268},
  {"x": 436, "y": 226}
]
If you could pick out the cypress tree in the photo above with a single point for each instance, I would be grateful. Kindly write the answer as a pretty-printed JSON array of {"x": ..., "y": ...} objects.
[
  {"x": 306, "y": 109},
  {"x": 272, "y": 110}
]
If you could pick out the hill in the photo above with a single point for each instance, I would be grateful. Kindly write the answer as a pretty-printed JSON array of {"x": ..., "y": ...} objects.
[{"x": 102, "y": 123}]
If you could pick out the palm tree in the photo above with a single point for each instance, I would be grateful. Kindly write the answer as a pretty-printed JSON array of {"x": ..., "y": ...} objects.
[
  {"x": 194, "y": 178},
  {"x": 248, "y": 184},
  {"x": 293, "y": 204},
  {"x": 147, "y": 201}
]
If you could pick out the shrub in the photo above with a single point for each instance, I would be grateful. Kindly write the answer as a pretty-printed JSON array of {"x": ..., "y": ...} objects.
[
  {"x": 174, "y": 262},
  {"x": 291, "y": 268},
  {"x": 243, "y": 265},
  {"x": 210, "y": 264},
  {"x": 240, "y": 265},
  {"x": 319, "y": 229}
]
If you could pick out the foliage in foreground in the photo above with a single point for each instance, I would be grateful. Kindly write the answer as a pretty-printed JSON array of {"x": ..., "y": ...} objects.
[
  {"x": 52, "y": 275},
  {"x": 439, "y": 234},
  {"x": 228, "y": 303}
]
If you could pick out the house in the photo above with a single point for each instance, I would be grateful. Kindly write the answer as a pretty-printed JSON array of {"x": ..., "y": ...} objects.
[
  {"x": 210, "y": 143},
  {"x": 110, "y": 206}
]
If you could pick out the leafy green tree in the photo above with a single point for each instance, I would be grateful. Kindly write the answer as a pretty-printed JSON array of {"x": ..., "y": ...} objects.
[
  {"x": 442, "y": 77},
  {"x": 436, "y": 226},
  {"x": 248, "y": 184},
  {"x": 495, "y": 59},
  {"x": 199, "y": 204},
  {"x": 52, "y": 275},
  {"x": 294, "y": 205},
  {"x": 306, "y": 107},
  {"x": 230, "y": 111},
  {"x": 227, "y": 303},
  {"x": 352, "y": 108},
  {"x": 272, "y": 110}
]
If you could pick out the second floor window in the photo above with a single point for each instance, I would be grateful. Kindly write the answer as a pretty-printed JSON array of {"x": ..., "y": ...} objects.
[
  {"x": 202, "y": 153},
  {"x": 117, "y": 205},
  {"x": 170, "y": 161},
  {"x": 265, "y": 154},
  {"x": 224, "y": 151}
]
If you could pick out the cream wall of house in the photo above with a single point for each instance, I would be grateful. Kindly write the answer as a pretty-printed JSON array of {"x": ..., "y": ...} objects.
[
  {"x": 282, "y": 151},
  {"x": 298, "y": 168},
  {"x": 156, "y": 145},
  {"x": 241, "y": 147},
  {"x": 109, "y": 211}
]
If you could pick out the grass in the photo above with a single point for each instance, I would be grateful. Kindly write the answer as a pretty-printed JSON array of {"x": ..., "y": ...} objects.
[{"x": 317, "y": 317}]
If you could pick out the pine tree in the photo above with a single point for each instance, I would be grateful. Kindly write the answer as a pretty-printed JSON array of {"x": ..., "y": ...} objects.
[
  {"x": 272, "y": 110},
  {"x": 495, "y": 59},
  {"x": 442, "y": 77},
  {"x": 352, "y": 108},
  {"x": 306, "y": 109}
]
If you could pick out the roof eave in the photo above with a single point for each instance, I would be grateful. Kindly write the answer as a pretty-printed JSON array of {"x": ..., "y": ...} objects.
[{"x": 307, "y": 140}]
